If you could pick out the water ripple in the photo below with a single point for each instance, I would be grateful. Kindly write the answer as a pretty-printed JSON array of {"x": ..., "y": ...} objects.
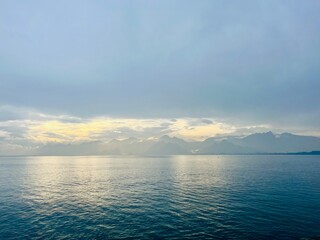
[{"x": 185, "y": 197}]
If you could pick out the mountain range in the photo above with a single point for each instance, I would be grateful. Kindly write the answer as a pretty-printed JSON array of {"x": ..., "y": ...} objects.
[{"x": 258, "y": 143}]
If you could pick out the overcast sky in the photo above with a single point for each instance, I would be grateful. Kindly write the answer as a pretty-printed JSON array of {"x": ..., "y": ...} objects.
[{"x": 242, "y": 63}]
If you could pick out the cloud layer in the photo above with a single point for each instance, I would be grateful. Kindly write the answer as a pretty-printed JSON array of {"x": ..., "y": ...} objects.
[
  {"x": 241, "y": 62},
  {"x": 38, "y": 127},
  {"x": 23, "y": 131}
]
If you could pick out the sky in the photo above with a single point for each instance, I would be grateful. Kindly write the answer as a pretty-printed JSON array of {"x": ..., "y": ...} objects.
[{"x": 95, "y": 70}]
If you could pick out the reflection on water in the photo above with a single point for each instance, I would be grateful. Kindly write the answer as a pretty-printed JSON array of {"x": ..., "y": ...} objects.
[{"x": 169, "y": 197}]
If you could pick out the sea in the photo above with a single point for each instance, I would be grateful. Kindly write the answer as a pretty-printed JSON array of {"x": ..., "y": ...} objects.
[{"x": 160, "y": 197}]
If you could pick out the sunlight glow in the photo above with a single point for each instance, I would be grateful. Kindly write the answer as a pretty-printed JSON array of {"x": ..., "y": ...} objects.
[{"x": 104, "y": 128}]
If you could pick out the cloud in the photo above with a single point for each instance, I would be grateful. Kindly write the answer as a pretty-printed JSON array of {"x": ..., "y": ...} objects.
[
  {"x": 37, "y": 129},
  {"x": 249, "y": 63},
  {"x": 3, "y": 135},
  {"x": 34, "y": 127},
  {"x": 206, "y": 121},
  {"x": 201, "y": 121},
  {"x": 197, "y": 129}
]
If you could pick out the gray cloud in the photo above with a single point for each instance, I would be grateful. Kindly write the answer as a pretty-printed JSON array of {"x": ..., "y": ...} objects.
[{"x": 247, "y": 62}]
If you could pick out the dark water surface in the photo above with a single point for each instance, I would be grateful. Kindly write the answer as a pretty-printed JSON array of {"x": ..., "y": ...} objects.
[{"x": 220, "y": 197}]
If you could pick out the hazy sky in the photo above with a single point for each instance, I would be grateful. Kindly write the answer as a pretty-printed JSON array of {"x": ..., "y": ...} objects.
[{"x": 235, "y": 63}]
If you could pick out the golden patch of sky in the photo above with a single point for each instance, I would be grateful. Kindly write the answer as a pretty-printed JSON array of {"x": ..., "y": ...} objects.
[
  {"x": 24, "y": 126},
  {"x": 100, "y": 128}
]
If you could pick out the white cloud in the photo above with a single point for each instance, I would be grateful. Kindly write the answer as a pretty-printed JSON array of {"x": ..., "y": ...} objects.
[{"x": 31, "y": 128}]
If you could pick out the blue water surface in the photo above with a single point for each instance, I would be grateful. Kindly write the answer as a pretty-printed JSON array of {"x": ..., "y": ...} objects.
[{"x": 174, "y": 197}]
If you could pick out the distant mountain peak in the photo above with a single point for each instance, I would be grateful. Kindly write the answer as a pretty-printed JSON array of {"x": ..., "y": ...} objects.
[
  {"x": 286, "y": 134},
  {"x": 261, "y": 135},
  {"x": 266, "y": 142},
  {"x": 131, "y": 139},
  {"x": 170, "y": 139},
  {"x": 165, "y": 137},
  {"x": 269, "y": 133}
]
